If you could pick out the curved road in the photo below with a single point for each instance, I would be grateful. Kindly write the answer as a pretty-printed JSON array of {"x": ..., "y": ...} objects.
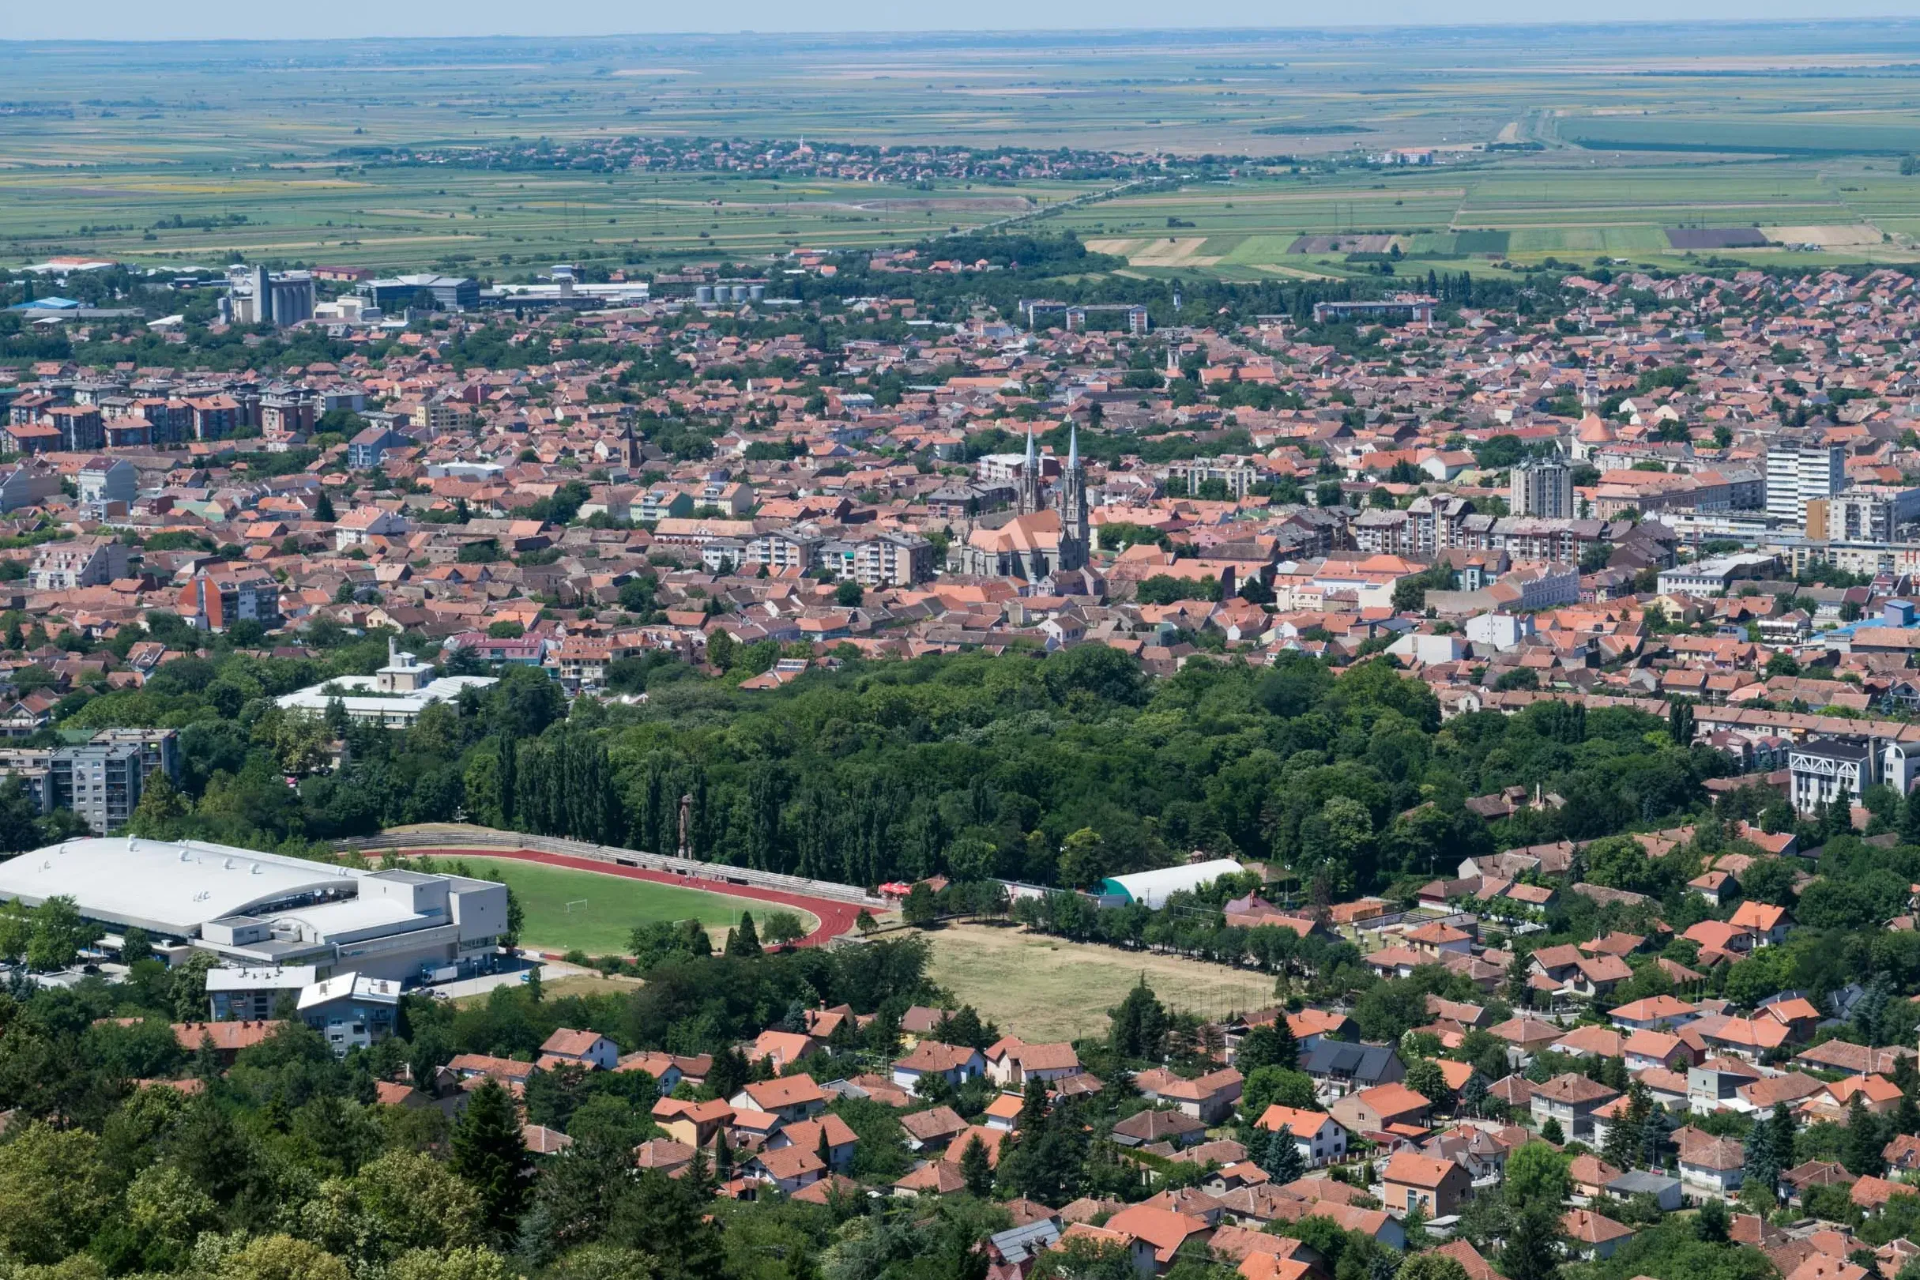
[{"x": 835, "y": 918}]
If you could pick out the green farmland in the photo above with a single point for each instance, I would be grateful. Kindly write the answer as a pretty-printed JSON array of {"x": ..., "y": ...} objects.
[{"x": 1572, "y": 143}]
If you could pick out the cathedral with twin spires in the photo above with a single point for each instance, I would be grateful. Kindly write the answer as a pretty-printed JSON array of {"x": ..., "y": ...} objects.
[{"x": 1040, "y": 540}]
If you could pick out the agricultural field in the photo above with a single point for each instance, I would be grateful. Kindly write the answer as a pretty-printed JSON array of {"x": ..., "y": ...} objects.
[
  {"x": 1045, "y": 989},
  {"x": 1573, "y": 143},
  {"x": 493, "y": 223},
  {"x": 585, "y": 910}
]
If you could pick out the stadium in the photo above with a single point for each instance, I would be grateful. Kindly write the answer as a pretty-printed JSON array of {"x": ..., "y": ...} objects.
[{"x": 263, "y": 909}]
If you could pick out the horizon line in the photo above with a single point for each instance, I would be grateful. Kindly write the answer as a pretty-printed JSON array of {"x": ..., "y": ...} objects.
[{"x": 1894, "y": 19}]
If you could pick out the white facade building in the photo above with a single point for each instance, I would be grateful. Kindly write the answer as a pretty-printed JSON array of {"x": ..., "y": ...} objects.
[
  {"x": 264, "y": 910},
  {"x": 1797, "y": 473}
]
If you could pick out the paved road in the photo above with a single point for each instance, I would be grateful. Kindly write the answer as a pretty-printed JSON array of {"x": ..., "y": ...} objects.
[{"x": 835, "y": 918}]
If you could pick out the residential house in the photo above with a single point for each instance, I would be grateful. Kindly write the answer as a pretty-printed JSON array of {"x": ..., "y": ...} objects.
[
  {"x": 693, "y": 1123},
  {"x": 1010, "y": 1062},
  {"x": 1143, "y": 1128},
  {"x": 1209, "y": 1098},
  {"x": 1382, "y": 1109},
  {"x": 930, "y": 1131},
  {"x": 1590, "y": 1236},
  {"x": 782, "y": 1048},
  {"x": 1338, "y": 1068},
  {"x": 790, "y": 1097},
  {"x": 788, "y": 1168},
  {"x": 1714, "y": 1084},
  {"x": 829, "y": 1130},
  {"x": 1570, "y": 1100},
  {"x": 1654, "y": 1013},
  {"x": 956, "y": 1064},
  {"x": 1767, "y": 923},
  {"x": 1318, "y": 1136},
  {"x": 1437, "y": 1188},
  {"x": 587, "y": 1049},
  {"x": 1713, "y": 1166}
]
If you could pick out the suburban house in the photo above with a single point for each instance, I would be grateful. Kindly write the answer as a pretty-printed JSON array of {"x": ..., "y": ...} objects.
[
  {"x": 1318, "y": 1135},
  {"x": 790, "y": 1097},
  {"x": 1570, "y": 1100},
  {"x": 693, "y": 1124},
  {"x": 1437, "y": 1188},
  {"x": 782, "y": 1048},
  {"x": 931, "y": 1130},
  {"x": 1714, "y": 1084},
  {"x": 1378, "y": 1109},
  {"x": 1766, "y": 922},
  {"x": 587, "y": 1049},
  {"x": 1162, "y": 1230},
  {"x": 1525, "y": 1037},
  {"x": 1144, "y": 1128},
  {"x": 1010, "y": 1062},
  {"x": 1654, "y": 1013},
  {"x": 956, "y": 1064},
  {"x": 1666, "y": 1192},
  {"x": 841, "y": 1141},
  {"x": 787, "y": 1168},
  {"x": 1209, "y": 1098},
  {"x": 1711, "y": 1165},
  {"x": 1591, "y": 1236},
  {"x": 1662, "y": 1049},
  {"x": 1338, "y": 1068}
]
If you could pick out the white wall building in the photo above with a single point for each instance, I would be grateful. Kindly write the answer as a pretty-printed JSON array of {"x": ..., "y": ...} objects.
[
  {"x": 263, "y": 910},
  {"x": 1798, "y": 472}
]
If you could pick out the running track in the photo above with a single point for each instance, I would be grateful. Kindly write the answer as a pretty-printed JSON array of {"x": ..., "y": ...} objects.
[{"x": 835, "y": 918}]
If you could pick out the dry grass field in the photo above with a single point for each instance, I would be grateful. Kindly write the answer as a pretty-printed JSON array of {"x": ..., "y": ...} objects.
[{"x": 1044, "y": 989}]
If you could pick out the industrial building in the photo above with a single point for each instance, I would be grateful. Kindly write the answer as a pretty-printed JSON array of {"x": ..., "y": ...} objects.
[
  {"x": 258, "y": 296},
  {"x": 263, "y": 910},
  {"x": 396, "y": 294}
]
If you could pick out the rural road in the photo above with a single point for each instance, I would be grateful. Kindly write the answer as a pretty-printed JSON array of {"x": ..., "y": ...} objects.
[{"x": 835, "y": 918}]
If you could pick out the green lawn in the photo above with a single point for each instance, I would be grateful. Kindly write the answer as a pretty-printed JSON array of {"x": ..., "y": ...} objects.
[{"x": 613, "y": 905}]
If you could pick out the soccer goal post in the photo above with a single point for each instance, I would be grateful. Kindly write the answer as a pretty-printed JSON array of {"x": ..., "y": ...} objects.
[{"x": 577, "y": 902}]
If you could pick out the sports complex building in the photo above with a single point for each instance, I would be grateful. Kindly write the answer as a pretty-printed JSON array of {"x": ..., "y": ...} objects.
[{"x": 263, "y": 910}]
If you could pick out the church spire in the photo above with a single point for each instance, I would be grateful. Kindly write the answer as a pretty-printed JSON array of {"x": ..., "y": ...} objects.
[
  {"x": 1073, "y": 447},
  {"x": 1030, "y": 477}
]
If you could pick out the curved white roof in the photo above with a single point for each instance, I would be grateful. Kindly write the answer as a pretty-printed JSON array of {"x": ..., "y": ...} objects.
[
  {"x": 167, "y": 886},
  {"x": 1152, "y": 887}
]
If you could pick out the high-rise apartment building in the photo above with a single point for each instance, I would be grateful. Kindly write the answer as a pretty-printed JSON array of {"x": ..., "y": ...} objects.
[
  {"x": 1798, "y": 473},
  {"x": 1543, "y": 487}
]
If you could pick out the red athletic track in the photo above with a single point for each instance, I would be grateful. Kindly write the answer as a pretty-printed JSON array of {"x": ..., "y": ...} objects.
[{"x": 835, "y": 917}]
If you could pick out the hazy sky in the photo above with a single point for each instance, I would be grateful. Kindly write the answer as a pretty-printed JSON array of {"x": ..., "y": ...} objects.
[{"x": 217, "y": 19}]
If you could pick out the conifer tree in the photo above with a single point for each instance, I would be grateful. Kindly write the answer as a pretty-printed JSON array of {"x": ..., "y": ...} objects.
[
  {"x": 490, "y": 1156},
  {"x": 744, "y": 940},
  {"x": 975, "y": 1167}
]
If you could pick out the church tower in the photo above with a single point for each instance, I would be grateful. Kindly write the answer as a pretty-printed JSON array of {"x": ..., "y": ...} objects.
[
  {"x": 631, "y": 445},
  {"x": 1075, "y": 549},
  {"x": 1030, "y": 478}
]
